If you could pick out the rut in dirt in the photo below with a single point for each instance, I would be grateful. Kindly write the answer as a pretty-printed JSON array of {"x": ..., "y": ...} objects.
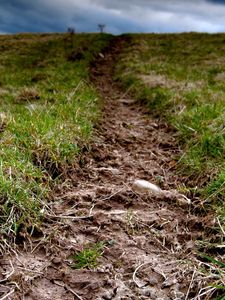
[{"x": 148, "y": 240}]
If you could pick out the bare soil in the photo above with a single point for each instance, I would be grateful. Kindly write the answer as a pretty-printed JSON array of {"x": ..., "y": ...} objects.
[{"x": 149, "y": 240}]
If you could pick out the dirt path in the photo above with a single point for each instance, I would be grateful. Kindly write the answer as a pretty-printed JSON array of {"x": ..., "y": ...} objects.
[{"x": 148, "y": 240}]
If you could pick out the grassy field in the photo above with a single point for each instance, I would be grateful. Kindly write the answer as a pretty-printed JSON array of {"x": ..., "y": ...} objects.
[
  {"x": 181, "y": 77},
  {"x": 47, "y": 110}
]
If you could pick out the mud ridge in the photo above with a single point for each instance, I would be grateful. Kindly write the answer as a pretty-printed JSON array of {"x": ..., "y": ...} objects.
[{"x": 148, "y": 240}]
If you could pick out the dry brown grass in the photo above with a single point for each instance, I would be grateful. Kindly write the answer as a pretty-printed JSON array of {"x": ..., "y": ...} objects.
[{"x": 27, "y": 95}]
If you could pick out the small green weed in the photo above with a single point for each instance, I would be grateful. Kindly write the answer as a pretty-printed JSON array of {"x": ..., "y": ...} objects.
[{"x": 88, "y": 257}]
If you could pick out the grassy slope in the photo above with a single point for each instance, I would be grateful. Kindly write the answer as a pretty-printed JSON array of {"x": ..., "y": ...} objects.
[
  {"x": 182, "y": 78},
  {"x": 47, "y": 110}
]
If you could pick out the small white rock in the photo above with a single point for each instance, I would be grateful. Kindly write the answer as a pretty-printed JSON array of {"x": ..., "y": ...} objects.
[{"x": 144, "y": 186}]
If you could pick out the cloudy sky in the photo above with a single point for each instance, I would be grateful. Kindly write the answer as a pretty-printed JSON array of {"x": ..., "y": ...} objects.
[{"x": 118, "y": 15}]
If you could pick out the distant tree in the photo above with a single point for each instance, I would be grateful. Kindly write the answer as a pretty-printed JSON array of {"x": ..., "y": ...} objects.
[
  {"x": 69, "y": 39},
  {"x": 101, "y": 27},
  {"x": 71, "y": 30}
]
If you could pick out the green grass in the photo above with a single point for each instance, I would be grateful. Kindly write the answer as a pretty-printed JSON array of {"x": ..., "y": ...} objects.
[
  {"x": 88, "y": 257},
  {"x": 47, "y": 111},
  {"x": 219, "y": 273}
]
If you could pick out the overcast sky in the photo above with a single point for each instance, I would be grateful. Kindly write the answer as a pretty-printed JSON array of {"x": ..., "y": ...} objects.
[{"x": 118, "y": 15}]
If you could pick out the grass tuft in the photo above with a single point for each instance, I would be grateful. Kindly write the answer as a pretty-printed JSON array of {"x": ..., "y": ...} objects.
[{"x": 88, "y": 257}]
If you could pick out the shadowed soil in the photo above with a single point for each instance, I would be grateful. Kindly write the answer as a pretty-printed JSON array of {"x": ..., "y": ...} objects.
[{"x": 149, "y": 240}]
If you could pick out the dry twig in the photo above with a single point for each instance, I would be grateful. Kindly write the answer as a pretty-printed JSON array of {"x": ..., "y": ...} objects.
[
  {"x": 68, "y": 288},
  {"x": 9, "y": 274},
  {"x": 110, "y": 196},
  {"x": 7, "y": 295},
  {"x": 189, "y": 288},
  {"x": 139, "y": 267},
  {"x": 223, "y": 231},
  {"x": 135, "y": 271},
  {"x": 69, "y": 217},
  {"x": 209, "y": 290}
]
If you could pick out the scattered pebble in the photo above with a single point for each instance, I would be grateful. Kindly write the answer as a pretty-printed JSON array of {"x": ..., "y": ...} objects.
[
  {"x": 113, "y": 171},
  {"x": 169, "y": 282},
  {"x": 107, "y": 296}
]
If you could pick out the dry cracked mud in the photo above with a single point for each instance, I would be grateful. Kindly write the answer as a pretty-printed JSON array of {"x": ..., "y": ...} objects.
[{"x": 148, "y": 240}]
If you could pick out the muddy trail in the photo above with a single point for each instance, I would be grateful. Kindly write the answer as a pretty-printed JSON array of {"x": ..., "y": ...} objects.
[{"x": 146, "y": 240}]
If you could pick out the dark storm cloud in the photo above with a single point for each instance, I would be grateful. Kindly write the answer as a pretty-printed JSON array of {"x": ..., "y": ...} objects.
[
  {"x": 41, "y": 15},
  {"x": 217, "y": 1},
  {"x": 21, "y": 16},
  {"x": 118, "y": 15}
]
